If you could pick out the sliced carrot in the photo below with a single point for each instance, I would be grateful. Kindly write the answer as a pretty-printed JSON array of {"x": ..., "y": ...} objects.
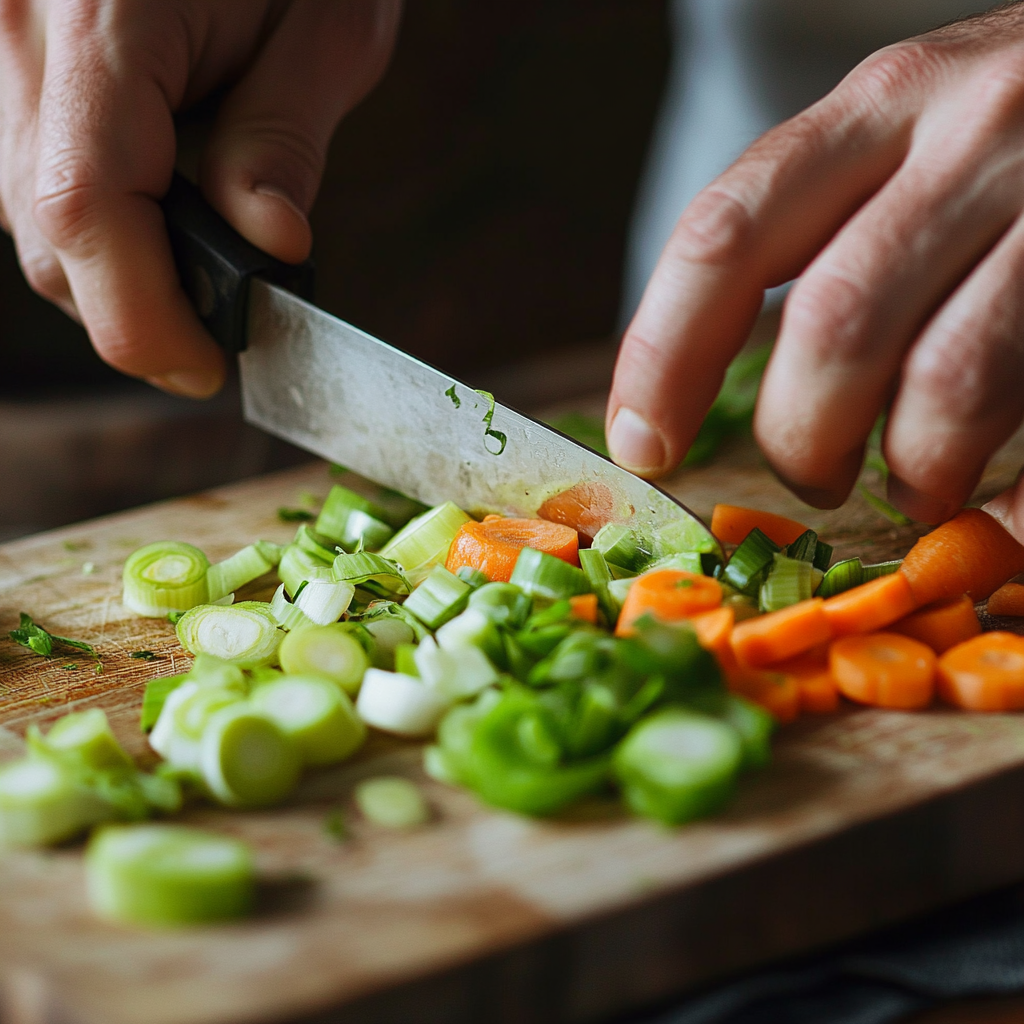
[
  {"x": 888, "y": 670},
  {"x": 731, "y": 523},
  {"x": 714, "y": 628},
  {"x": 586, "y": 508},
  {"x": 819, "y": 694},
  {"x": 670, "y": 595},
  {"x": 584, "y": 607},
  {"x": 971, "y": 554},
  {"x": 870, "y": 606},
  {"x": 494, "y": 545},
  {"x": 985, "y": 673},
  {"x": 782, "y": 634},
  {"x": 1007, "y": 600},
  {"x": 942, "y": 625},
  {"x": 776, "y": 692}
]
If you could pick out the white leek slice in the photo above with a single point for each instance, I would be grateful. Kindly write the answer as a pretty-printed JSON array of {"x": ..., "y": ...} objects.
[
  {"x": 168, "y": 875},
  {"x": 242, "y": 567},
  {"x": 245, "y": 633},
  {"x": 87, "y": 735},
  {"x": 208, "y": 670},
  {"x": 455, "y": 672},
  {"x": 330, "y": 651},
  {"x": 168, "y": 576},
  {"x": 400, "y": 704},
  {"x": 473, "y": 628},
  {"x": 177, "y": 735},
  {"x": 287, "y": 615},
  {"x": 246, "y": 759},
  {"x": 325, "y": 602},
  {"x": 424, "y": 541},
  {"x": 391, "y": 801},
  {"x": 317, "y": 716},
  {"x": 297, "y": 566},
  {"x": 44, "y": 802},
  {"x": 364, "y": 568}
]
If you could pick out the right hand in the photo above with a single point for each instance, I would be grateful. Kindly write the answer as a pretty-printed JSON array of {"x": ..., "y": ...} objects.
[{"x": 88, "y": 90}]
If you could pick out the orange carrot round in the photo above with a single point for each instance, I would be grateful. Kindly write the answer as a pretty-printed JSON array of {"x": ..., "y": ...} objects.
[
  {"x": 819, "y": 694},
  {"x": 985, "y": 673},
  {"x": 870, "y": 606},
  {"x": 714, "y": 628},
  {"x": 731, "y": 523},
  {"x": 941, "y": 625},
  {"x": 782, "y": 634},
  {"x": 1007, "y": 600},
  {"x": 670, "y": 595},
  {"x": 776, "y": 692},
  {"x": 494, "y": 545},
  {"x": 971, "y": 554},
  {"x": 584, "y": 607},
  {"x": 888, "y": 670}
]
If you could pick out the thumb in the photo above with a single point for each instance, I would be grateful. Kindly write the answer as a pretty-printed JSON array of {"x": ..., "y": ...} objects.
[{"x": 266, "y": 154}]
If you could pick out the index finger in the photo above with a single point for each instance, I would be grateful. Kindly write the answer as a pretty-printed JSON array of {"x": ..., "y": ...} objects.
[
  {"x": 106, "y": 153},
  {"x": 756, "y": 226}
]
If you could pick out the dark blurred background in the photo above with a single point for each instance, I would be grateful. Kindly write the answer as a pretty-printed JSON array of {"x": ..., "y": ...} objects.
[{"x": 474, "y": 212}]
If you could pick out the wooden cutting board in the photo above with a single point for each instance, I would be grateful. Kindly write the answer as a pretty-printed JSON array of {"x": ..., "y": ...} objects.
[{"x": 864, "y": 818}]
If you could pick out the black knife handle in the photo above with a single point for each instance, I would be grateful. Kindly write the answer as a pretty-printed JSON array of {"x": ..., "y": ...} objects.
[{"x": 216, "y": 264}]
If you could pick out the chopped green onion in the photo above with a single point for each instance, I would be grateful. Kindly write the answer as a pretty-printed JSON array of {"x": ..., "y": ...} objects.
[
  {"x": 297, "y": 567},
  {"x": 789, "y": 581},
  {"x": 424, "y": 541},
  {"x": 399, "y": 703},
  {"x": 750, "y": 563},
  {"x": 246, "y": 759},
  {"x": 620, "y": 546},
  {"x": 329, "y": 651},
  {"x": 392, "y": 802},
  {"x": 168, "y": 875},
  {"x": 440, "y": 597},
  {"x": 325, "y": 601},
  {"x": 676, "y": 765},
  {"x": 168, "y": 576},
  {"x": 43, "y": 801},
  {"x": 363, "y": 568},
  {"x": 87, "y": 736},
  {"x": 504, "y": 604},
  {"x": 245, "y": 634},
  {"x": 454, "y": 672},
  {"x": 542, "y": 575},
  {"x": 155, "y": 696},
  {"x": 242, "y": 567},
  {"x": 315, "y": 714}
]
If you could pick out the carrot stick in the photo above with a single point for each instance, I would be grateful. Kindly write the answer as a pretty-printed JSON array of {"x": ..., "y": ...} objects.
[
  {"x": 714, "y": 629},
  {"x": 870, "y": 606},
  {"x": 985, "y": 673},
  {"x": 782, "y": 634},
  {"x": 942, "y": 625},
  {"x": 584, "y": 607},
  {"x": 819, "y": 694},
  {"x": 888, "y": 670},
  {"x": 670, "y": 595},
  {"x": 1007, "y": 600},
  {"x": 971, "y": 554},
  {"x": 731, "y": 523},
  {"x": 776, "y": 692},
  {"x": 494, "y": 545}
]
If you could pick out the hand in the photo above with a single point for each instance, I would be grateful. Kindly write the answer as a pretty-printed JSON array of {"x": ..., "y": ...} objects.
[
  {"x": 897, "y": 200},
  {"x": 88, "y": 90}
]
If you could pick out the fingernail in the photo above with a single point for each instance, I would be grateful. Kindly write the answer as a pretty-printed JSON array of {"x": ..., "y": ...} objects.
[
  {"x": 921, "y": 507},
  {"x": 275, "y": 192},
  {"x": 635, "y": 444},
  {"x": 189, "y": 383}
]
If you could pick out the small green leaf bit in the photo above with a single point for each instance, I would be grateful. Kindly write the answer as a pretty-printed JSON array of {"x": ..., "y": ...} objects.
[
  {"x": 498, "y": 436},
  {"x": 36, "y": 639},
  {"x": 456, "y": 401}
]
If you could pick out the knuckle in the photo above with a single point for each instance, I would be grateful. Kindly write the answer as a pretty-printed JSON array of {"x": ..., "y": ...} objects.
[
  {"x": 716, "y": 228},
  {"x": 67, "y": 195},
  {"x": 285, "y": 153},
  {"x": 887, "y": 76},
  {"x": 825, "y": 311},
  {"x": 44, "y": 275}
]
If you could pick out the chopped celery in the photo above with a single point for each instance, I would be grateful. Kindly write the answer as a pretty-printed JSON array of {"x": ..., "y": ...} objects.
[
  {"x": 750, "y": 563},
  {"x": 242, "y": 567},
  {"x": 595, "y": 568},
  {"x": 297, "y": 567},
  {"x": 620, "y": 546},
  {"x": 872, "y": 572},
  {"x": 363, "y": 568},
  {"x": 339, "y": 505},
  {"x": 687, "y": 561},
  {"x": 315, "y": 714},
  {"x": 474, "y": 577},
  {"x": 365, "y": 531},
  {"x": 87, "y": 736},
  {"x": 168, "y": 576},
  {"x": 504, "y": 604},
  {"x": 405, "y": 660},
  {"x": 392, "y": 802},
  {"x": 677, "y": 765},
  {"x": 789, "y": 581},
  {"x": 314, "y": 544},
  {"x": 473, "y": 628},
  {"x": 330, "y": 651},
  {"x": 454, "y": 672},
  {"x": 324, "y": 601},
  {"x": 156, "y": 694},
  {"x": 542, "y": 575},
  {"x": 168, "y": 875},
  {"x": 683, "y": 535},
  {"x": 399, "y": 703},
  {"x": 440, "y": 597},
  {"x": 424, "y": 541},
  {"x": 842, "y": 576},
  {"x": 245, "y": 634}
]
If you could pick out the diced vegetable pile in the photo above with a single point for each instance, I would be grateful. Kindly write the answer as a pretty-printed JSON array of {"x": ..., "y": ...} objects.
[{"x": 540, "y": 671}]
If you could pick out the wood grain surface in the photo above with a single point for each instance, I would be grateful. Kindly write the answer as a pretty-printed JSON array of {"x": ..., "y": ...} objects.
[{"x": 864, "y": 818}]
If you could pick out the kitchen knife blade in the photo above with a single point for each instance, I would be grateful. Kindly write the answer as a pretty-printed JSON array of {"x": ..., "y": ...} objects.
[{"x": 340, "y": 393}]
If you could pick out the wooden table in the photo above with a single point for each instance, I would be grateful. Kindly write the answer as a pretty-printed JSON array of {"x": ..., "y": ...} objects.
[{"x": 865, "y": 818}]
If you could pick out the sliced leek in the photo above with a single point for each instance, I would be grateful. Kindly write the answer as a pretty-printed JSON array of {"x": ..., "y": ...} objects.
[
  {"x": 325, "y": 601},
  {"x": 401, "y": 704},
  {"x": 169, "y": 576},
  {"x": 242, "y": 567},
  {"x": 329, "y": 651},
  {"x": 392, "y": 802},
  {"x": 424, "y": 541},
  {"x": 245, "y": 634}
]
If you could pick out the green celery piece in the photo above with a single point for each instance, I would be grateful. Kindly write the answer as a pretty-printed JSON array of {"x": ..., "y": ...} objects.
[
  {"x": 473, "y": 577},
  {"x": 440, "y": 597},
  {"x": 803, "y": 548},
  {"x": 38, "y": 640},
  {"x": 750, "y": 562},
  {"x": 872, "y": 572},
  {"x": 542, "y": 575},
  {"x": 155, "y": 696},
  {"x": 595, "y": 568},
  {"x": 504, "y": 604},
  {"x": 673, "y": 653},
  {"x": 682, "y": 536},
  {"x": 787, "y": 583},
  {"x": 620, "y": 546},
  {"x": 842, "y": 576}
]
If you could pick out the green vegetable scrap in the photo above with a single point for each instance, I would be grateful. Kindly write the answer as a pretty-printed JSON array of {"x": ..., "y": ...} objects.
[
  {"x": 295, "y": 515},
  {"x": 143, "y": 655},
  {"x": 38, "y": 640},
  {"x": 456, "y": 401},
  {"x": 489, "y": 431}
]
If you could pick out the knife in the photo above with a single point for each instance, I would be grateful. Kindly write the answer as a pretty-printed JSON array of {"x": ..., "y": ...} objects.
[{"x": 340, "y": 393}]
